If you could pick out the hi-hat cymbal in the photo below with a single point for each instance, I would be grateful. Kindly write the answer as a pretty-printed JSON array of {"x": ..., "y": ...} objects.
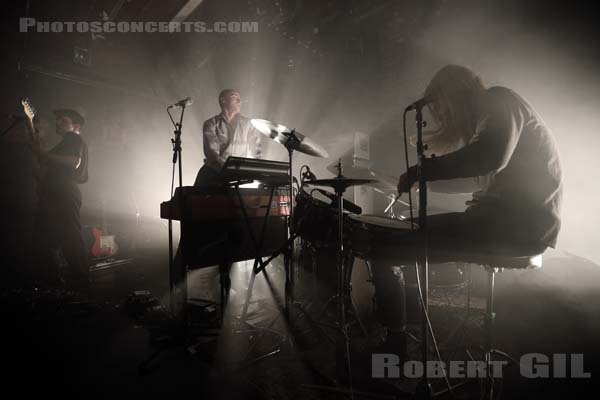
[
  {"x": 382, "y": 181},
  {"x": 339, "y": 183},
  {"x": 291, "y": 139},
  {"x": 385, "y": 182}
]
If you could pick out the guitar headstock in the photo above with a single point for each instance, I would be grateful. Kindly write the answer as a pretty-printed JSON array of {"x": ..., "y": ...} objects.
[{"x": 28, "y": 108}]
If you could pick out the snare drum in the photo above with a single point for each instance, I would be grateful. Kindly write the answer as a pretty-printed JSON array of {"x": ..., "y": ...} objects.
[{"x": 375, "y": 237}]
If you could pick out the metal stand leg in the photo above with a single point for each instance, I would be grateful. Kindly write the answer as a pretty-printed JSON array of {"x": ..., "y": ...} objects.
[
  {"x": 489, "y": 326},
  {"x": 488, "y": 347},
  {"x": 314, "y": 268},
  {"x": 225, "y": 283}
]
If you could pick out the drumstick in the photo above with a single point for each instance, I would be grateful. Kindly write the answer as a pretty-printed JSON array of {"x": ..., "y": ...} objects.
[{"x": 396, "y": 200}]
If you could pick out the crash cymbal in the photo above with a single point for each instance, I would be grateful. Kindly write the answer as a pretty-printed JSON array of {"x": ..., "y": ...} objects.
[
  {"x": 290, "y": 138},
  {"x": 267, "y": 127},
  {"x": 339, "y": 183}
]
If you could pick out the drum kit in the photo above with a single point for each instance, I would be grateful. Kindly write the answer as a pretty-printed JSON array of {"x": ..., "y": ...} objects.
[
  {"x": 315, "y": 220},
  {"x": 339, "y": 224},
  {"x": 322, "y": 223},
  {"x": 318, "y": 222}
]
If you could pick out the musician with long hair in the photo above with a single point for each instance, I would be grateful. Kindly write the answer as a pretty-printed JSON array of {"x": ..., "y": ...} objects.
[
  {"x": 495, "y": 138},
  {"x": 490, "y": 142}
]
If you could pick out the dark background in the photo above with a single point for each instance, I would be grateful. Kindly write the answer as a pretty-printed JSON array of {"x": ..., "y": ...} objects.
[{"x": 328, "y": 68}]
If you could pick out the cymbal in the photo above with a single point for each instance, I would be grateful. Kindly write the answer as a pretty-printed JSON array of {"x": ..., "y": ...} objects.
[
  {"x": 291, "y": 139},
  {"x": 382, "y": 181},
  {"x": 339, "y": 183}
]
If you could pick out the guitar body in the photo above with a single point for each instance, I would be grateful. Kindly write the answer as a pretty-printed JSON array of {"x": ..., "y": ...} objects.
[{"x": 104, "y": 245}]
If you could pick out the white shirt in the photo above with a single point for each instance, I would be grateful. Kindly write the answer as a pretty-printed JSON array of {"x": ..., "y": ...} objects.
[{"x": 236, "y": 138}]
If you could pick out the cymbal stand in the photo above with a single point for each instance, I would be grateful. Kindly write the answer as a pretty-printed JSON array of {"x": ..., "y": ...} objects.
[
  {"x": 342, "y": 291},
  {"x": 288, "y": 249},
  {"x": 339, "y": 192}
]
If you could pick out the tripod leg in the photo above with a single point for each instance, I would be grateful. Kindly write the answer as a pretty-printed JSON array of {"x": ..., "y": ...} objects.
[
  {"x": 489, "y": 328},
  {"x": 225, "y": 283},
  {"x": 249, "y": 293},
  {"x": 315, "y": 271},
  {"x": 344, "y": 368},
  {"x": 289, "y": 286},
  {"x": 178, "y": 277},
  {"x": 349, "y": 261}
]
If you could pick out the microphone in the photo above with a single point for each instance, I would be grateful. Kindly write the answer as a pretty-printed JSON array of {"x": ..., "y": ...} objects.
[
  {"x": 347, "y": 205},
  {"x": 182, "y": 103},
  {"x": 420, "y": 103}
]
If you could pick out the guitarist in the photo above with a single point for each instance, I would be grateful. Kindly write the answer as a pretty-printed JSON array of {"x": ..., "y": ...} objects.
[{"x": 61, "y": 251}]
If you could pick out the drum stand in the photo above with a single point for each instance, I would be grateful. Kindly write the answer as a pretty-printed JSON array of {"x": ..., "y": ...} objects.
[
  {"x": 317, "y": 322},
  {"x": 342, "y": 290},
  {"x": 347, "y": 260}
]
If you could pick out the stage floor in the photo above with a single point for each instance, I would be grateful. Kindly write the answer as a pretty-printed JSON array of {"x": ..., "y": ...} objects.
[{"x": 97, "y": 352}]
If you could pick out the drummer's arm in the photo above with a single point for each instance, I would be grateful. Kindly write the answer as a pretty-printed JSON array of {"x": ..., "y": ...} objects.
[
  {"x": 455, "y": 186},
  {"x": 211, "y": 145}
]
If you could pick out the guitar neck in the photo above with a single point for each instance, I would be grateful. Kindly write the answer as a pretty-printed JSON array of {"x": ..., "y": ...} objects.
[
  {"x": 30, "y": 113},
  {"x": 31, "y": 129}
]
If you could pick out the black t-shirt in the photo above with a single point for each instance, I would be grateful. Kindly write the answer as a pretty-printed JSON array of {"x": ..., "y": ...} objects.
[
  {"x": 516, "y": 160},
  {"x": 59, "y": 176}
]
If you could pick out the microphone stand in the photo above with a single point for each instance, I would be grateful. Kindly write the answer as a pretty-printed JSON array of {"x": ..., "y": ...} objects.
[
  {"x": 290, "y": 145},
  {"x": 180, "y": 331},
  {"x": 179, "y": 315},
  {"x": 423, "y": 390},
  {"x": 173, "y": 279}
]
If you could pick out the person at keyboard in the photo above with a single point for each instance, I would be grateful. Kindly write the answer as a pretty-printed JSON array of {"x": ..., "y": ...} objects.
[{"x": 227, "y": 134}]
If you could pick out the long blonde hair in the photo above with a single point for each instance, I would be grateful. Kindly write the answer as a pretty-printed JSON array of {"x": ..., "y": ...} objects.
[{"x": 456, "y": 90}]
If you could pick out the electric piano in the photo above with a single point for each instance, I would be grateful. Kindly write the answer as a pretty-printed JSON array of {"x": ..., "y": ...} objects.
[{"x": 216, "y": 221}]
